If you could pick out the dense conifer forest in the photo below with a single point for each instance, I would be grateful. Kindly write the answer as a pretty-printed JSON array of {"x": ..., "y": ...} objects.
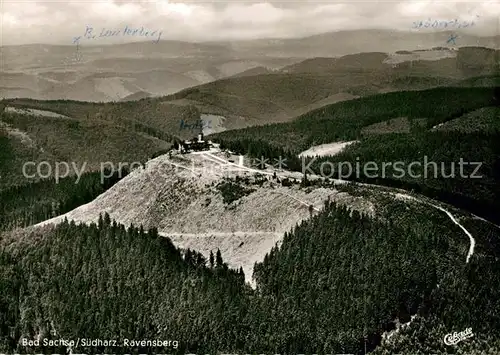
[
  {"x": 338, "y": 281},
  {"x": 107, "y": 282}
]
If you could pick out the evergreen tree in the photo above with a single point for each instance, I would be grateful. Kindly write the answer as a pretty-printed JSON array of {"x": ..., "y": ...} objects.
[
  {"x": 218, "y": 259},
  {"x": 211, "y": 259}
]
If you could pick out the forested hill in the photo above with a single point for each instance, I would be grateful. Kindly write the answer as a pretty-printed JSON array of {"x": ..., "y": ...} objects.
[
  {"x": 337, "y": 280},
  {"x": 402, "y": 126},
  {"x": 346, "y": 120}
]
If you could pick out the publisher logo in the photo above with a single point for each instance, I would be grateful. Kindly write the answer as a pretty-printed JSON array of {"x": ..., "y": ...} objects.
[{"x": 455, "y": 338}]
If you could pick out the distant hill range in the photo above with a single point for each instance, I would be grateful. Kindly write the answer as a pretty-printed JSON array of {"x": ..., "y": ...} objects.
[
  {"x": 261, "y": 97},
  {"x": 114, "y": 72}
]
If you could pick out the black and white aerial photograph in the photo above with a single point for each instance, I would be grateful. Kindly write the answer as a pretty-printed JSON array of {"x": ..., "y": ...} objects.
[{"x": 241, "y": 177}]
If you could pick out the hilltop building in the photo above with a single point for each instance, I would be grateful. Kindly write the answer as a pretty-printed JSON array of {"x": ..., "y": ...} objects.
[{"x": 195, "y": 144}]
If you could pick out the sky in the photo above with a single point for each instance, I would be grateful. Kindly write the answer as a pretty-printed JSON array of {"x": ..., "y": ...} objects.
[{"x": 60, "y": 21}]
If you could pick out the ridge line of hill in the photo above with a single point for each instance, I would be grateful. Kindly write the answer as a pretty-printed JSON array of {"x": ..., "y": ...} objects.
[{"x": 284, "y": 174}]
